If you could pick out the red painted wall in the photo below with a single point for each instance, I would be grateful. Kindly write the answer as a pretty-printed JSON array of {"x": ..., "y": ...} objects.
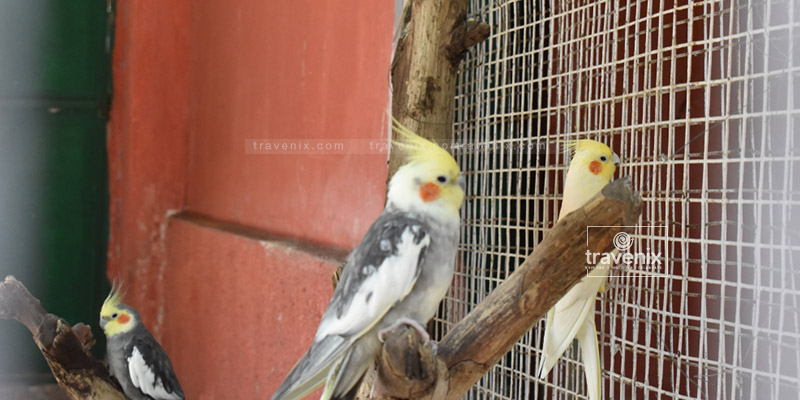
[
  {"x": 147, "y": 136},
  {"x": 245, "y": 308},
  {"x": 228, "y": 255},
  {"x": 298, "y": 69}
]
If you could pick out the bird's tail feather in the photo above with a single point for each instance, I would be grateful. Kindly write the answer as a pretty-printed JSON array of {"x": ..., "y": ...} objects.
[
  {"x": 587, "y": 339},
  {"x": 563, "y": 324},
  {"x": 358, "y": 361},
  {"x": 351, "y": 395},
  {"x": 312, "y": 369},
  {"x": 334, "y": 377}
]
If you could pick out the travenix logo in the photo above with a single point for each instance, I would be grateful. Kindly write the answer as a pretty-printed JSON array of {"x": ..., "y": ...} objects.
[{"x": 625, "y": 256}]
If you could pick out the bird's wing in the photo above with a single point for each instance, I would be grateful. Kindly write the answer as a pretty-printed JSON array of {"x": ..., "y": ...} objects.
[
  {"x": 380, "y": 272},
  {"x": 566, "y": 318},
  {"x": 150, "y": 369}
]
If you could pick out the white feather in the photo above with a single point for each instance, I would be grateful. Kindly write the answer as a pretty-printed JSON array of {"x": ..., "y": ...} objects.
[
  {"x": 387, "y": 285},
  {"x": 567, "y": 317},
  {"x": 590, "y": 352},
  {"x": 145, "y": 379}
]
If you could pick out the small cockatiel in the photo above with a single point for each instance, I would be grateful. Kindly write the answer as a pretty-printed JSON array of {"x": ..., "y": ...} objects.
[
  {"x": 134, "y": 356},
  {"x": 398, "y": 274},
  {"x": 591, "y": 169}
]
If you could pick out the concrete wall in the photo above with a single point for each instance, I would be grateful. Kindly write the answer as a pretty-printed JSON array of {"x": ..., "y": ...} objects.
[{"x": 227, "y": 255}]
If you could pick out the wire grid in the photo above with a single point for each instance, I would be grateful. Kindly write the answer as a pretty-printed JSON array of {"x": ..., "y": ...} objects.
[{"x": 699, "y": 102}]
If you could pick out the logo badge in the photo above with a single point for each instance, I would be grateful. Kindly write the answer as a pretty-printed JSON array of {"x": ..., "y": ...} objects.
[{"x": 622, "y": 241}]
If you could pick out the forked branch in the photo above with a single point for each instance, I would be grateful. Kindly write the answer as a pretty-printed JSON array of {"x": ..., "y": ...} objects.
[
  {"x": 475, "y": 344},
  {"x": 65, "y": 348}
]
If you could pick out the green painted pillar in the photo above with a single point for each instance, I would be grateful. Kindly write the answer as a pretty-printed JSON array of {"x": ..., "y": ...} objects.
[{"x": 54, "y": 92}]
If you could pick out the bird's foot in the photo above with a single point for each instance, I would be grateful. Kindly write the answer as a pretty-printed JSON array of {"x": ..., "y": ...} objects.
[{"x": 405, "y": 321}]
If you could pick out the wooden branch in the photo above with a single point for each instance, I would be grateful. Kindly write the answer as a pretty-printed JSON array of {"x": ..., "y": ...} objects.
[
  {"x": 65, "y": 348},
  {"x": 434, "y": 37},
  {"x": 467, "y": 33},
  {"x": 408, "y": 368},
  {"x": 476, "y": 343}
]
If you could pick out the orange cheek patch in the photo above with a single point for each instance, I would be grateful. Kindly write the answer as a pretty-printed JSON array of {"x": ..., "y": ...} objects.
[
  {"x": 595, "y": 167},
  {"x": 124, "y": 319},
  {"x": 429, "y": 192}
]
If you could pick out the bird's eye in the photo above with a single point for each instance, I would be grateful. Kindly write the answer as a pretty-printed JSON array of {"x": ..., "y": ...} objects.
[
  {"x": 603, "y": 158},
  {"x": 441, "y": 179},
  {"x": 114, "y": 315}
]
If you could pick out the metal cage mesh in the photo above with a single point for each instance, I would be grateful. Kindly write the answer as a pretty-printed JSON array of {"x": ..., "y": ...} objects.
[{"x": 698, "y": 100}]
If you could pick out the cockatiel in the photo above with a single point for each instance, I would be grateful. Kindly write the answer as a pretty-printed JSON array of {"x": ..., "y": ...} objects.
[
  {"x": 398, "y": 274},
  {"x": 134, "y": 356},
  {"x": 591, "y": 169}
]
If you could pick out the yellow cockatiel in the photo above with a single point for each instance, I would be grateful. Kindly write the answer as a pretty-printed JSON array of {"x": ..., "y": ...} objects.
[{"x": 591, "y": 169}]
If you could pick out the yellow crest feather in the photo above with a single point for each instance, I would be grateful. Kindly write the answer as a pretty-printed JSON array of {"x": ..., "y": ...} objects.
[
  {"x": 417, "y": 148},
  {"x": 569, "y": 145},
  {"x": 578, "y": 145},
  {"x": 114, "y": 298}
]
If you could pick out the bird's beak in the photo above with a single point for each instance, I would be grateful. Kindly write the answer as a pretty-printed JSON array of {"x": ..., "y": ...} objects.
[
  {"x": 462, "y": 183},
  {"x": 616, "y": 159}
]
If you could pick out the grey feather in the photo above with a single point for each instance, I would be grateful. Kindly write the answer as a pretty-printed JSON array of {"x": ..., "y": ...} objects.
[{"x": 119, "y": 349}]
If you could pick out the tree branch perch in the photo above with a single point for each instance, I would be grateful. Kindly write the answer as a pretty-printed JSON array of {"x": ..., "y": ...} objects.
[
  {"x": 434, "y": 37},
  {"x": 477, "y": 342},
  {"x": 65, "y": 348}
]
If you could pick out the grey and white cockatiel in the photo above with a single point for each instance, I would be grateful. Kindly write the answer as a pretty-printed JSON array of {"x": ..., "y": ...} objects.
[
  {"x": 134, "y": 356},
  {"x": 398, "y": 274}
]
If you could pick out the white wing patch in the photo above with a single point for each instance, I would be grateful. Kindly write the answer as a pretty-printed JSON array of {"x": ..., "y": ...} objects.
[
  {"x": 145, "y": 379},
  {"x": 388, "y": 283}
]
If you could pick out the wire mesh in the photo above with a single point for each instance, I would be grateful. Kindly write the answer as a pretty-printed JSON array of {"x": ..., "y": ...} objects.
[{"x": 698, "y": 100}]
